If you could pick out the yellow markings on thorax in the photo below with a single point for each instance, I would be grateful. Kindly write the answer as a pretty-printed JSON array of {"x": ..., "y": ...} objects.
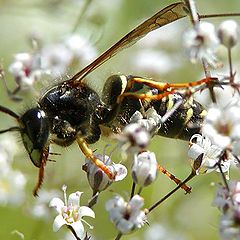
[
  {"x": 203, "y": 113},
  {"x": 188, "y": 115}
]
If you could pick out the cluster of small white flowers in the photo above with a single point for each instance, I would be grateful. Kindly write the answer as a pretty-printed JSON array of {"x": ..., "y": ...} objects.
[
  {"x": 208, "y": 157},
  {"x": 53, "y": 60},
  {"x": 135, "y": 137},
  {"x": 134, "y": 140},
  {"x": 202, "y": 41},
  {"x": 12, "y": 182},
  {"x": 222, "y": 126},
  {"x": 26, "y": 69},
  {"x": 127, "y": 216},
  {"x": 215, "y": 148},
  {"x": 74, "y": 49},
  {"x": 228, "y": 201}
]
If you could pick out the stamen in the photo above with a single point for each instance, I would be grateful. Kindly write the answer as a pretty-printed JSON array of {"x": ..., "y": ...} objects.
[{"x": 64, "y": 188}]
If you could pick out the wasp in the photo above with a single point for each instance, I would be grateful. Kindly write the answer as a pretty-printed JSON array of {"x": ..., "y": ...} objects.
[{"x": 71, "y": 111}]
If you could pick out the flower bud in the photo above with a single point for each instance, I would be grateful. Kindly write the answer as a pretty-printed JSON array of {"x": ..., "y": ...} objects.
[
  {"x": 135, "y": 135},
  {"x": 97, "y": 179},
  {"x": 144, "y": 168},
  {"x": 228, "y": 33}
]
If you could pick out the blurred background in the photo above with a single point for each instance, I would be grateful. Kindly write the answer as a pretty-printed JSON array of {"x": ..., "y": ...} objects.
[{"x": 27, "y": 26}]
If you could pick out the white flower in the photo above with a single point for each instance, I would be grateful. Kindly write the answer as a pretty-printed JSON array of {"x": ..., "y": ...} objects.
[
  {"x": 12, "y": 185},
  {"x": 230, "y": 224},
  {"x": 70, "y": 213},
  {"x": 8, "y": 148},
  {"x": 97, "y": 179},
  {"x": 227, "y": 197},
  {"x": 202, "y": 150},
  {"x": 222, "y": 125},
  {"x": 134, "y": 138},
  {"x": 225, "y": 96},
  {"x": 144, "y": 168},
  {"x": 152, "y": 121},
  {"x": 126, "y": 216},
  {"x": 26, "y": 69},
  {"x": 222, "y": 198},
  {"x": 136, "y": 135},
  {"x": 229, "y": 202},
  {"x": 228, "y": 33},
  {"x": 234, "y": 192},
  {"x": 201, "y": 43},
  {"x": 56, "y": 58}
]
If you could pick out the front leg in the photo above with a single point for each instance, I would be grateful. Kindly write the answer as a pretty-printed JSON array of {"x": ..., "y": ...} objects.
[
  {"x": 89, "y": 155},
  {"x": 41, "y": 171}
]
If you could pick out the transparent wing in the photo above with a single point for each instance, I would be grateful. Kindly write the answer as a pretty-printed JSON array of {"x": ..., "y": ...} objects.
[{"x": 167, "y": 15}]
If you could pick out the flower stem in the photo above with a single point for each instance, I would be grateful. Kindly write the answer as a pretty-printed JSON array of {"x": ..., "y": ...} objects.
[
  {"x": 118, "y": 236},
  {"x": 201, "y": 16},
  {"x": 230, "y": 65},
  {"x": 133, "y": 189},
  {"x": 140, "y": 190}
]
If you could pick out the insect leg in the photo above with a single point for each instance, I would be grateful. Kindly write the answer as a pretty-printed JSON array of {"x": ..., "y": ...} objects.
[
  {"x": 144, "y": 96},
  {"x": 89, "y": 155},
  {"x": 186, "y": 188},
  {"x": 167, "y": 86}
]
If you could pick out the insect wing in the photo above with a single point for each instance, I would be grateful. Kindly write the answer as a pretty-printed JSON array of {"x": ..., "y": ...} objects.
[{"x": 167, "y": 15}]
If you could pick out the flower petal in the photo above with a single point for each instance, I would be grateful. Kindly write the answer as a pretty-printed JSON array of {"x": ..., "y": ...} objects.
[
  {"x": 74, "y": 199},
  {"x": 121, "y": 171},
  {"x": 115, "y": 215},
  {"x": 116, "y": 202},
  {"x": 57, "y": 203},
  {"x": 86, "y": 211},
  {"x": 136, "y": 203},
  {"x": 78, "y": 228},
  {"x": 195, "y": 151},
  {"x": 138, "y": 218},
  {"x": 125, "y": 226},
  {"x": 58, "y": 223}
]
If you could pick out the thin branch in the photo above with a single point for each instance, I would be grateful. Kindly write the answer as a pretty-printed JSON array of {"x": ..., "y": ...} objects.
[
  {"x": 118, "y": 236},
  {"x": 192, "y": 174}
]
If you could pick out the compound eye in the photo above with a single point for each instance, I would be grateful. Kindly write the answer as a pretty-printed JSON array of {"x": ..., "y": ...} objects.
[{"x": 35, "y": 132}]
